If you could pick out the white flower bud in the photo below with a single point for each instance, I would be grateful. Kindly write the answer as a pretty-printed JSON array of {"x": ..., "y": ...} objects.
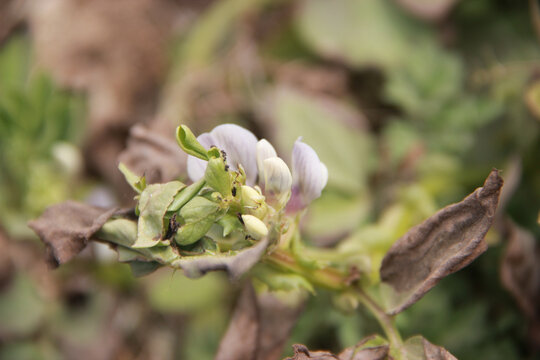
[
  {"x": 265, "y": 150},
  {"x": 253, "y": 202},
  {"x": 254, "y": 227},
  {"x": 277, "y": 180}
]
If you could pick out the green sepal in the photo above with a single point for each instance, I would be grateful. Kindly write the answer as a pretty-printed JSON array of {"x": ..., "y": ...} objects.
[
  {"x": 198, "y": 216},
  {"x": 214, "y": 152},
  {"x": 186, "y": 194},
  {"x": 138, "y": 183},
  {"x": 230, "y": 223},
  {"x": 217, "y": 177},
  {"x": 189, "y": 143},
  {"x": 153, "y": 205}
]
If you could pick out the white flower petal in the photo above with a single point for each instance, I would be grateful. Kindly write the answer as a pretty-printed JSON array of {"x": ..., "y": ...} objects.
[
  {"x": 310, "y": 174},
  {"x": 265, "y": 150},
  {"x": 277, "y": 177},
  {"x": 240, "y": 146}
]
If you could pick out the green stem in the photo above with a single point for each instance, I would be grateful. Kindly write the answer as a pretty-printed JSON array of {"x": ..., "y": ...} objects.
[
  {"x": 328, "y": 278},
  {"x": 386, "y": 321}
]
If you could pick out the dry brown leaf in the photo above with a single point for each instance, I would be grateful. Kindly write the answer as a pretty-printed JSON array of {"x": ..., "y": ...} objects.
[
  {"x": 301, "y": 352},
  {"x": 362, "y": 351},
  {"x": 418, "y": 348},
  {"x": 154, "y": 155},
  {"x": 520, "y": 273},
  {"x": 441, "y": 245},
  {"x": 67, "y": 227},
  {"x": 262, "y": 334},
  {"x": 241, "y": 339}
]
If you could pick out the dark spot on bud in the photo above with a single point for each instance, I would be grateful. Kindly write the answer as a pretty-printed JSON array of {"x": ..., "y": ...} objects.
[
  {"x": 233, "y": 191},
  {"x": 239, "y": 216}
]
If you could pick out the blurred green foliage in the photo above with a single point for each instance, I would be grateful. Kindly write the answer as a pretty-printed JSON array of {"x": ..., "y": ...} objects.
[{"x": 39, "y": 127}]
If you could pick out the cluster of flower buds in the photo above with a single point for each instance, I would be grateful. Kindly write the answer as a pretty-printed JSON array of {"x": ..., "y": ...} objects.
[{"x": 270, "y": 188}]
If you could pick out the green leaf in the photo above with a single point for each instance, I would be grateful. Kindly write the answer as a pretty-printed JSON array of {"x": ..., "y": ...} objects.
[
  {"x": 347, "y": 152},
  {"x": 217, "y": 177},
  {"x": 188, "y": 142},
  {"x": 186, "y": 194},
  {"x": 361, "y": 33},
  {"x": 230, "y": 223},
  {"x": 198, "y": 215},
  {"x": 142, "y": 268},
  {"x": 153, "y": 204},
  {"x": 138, "y": 183}
]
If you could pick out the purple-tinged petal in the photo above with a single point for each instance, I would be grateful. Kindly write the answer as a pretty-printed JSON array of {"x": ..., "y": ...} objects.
[
  {"x": 265, "y": 150},
  {"x": 309, "y": 173},
  {"x": 240, "y": 146}
]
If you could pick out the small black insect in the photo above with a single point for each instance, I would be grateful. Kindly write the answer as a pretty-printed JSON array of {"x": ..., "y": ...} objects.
[
  {"x": 233, "y": 191},
  {"x": 226, "y": 167},
  {"x": 224, "y": 154},
  {"x": 173, "y": 227}
]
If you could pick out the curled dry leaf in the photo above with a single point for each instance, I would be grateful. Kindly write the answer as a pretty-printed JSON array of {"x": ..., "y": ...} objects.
[
  {"x": 259, "y": 328},
  {"x": 418, "y": 348},
  {"x": 67, "y": 227},
  {"x": 441, "y": 245},
  {"x": 241, "y": 339},
  {"x": 156, "y": 156},
  {"x": 371, "y": 348},
  {"x": 520, "y": 273}
]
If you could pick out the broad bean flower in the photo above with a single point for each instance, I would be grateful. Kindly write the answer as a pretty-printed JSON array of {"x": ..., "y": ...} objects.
[{"x": 294, "y": 189}]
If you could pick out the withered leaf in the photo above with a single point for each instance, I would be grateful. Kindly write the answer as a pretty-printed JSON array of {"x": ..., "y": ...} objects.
[
  {"x": 241, "y": 339},
  {"x": 65, "y": 228},
  {"x": 441, "y": 245},
  {"x": 260, "y": 326},
  {"x": 156, "y": 156},
  {"x": 520, "y": 274},
  {"x": 301, "y": 352},
  {"x": 277, "y": 320},
  {"x": 371, "y": 348},
  {"x": 418, "y": 348}
]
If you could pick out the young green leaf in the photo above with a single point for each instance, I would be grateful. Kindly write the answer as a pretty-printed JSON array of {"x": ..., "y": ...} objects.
[
  {"x": 199, "y": 214},
  {"x": 218, "y": 177},
  {"x": 185, "y": 195},
  {"x": 188, "y": 142},
  {"x": 138, "y": 183},
  {"x": 153, "y": 204}
]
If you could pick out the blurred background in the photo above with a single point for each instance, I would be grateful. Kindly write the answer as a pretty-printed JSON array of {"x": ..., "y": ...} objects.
[{"x": 409, "y": 103}]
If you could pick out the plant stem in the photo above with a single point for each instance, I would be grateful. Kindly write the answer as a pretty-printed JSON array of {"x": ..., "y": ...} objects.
[
  {"x": 386, "y": 321},
  {"x": 328, "y": 278}
]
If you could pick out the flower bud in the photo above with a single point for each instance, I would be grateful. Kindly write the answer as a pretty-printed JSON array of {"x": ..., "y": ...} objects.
[
  {"x": 264, "y": 151},
  {"x": 277, "y": 180},
  {"x": 254, "y": 227},
  {"x": 253, "y": 202}
]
